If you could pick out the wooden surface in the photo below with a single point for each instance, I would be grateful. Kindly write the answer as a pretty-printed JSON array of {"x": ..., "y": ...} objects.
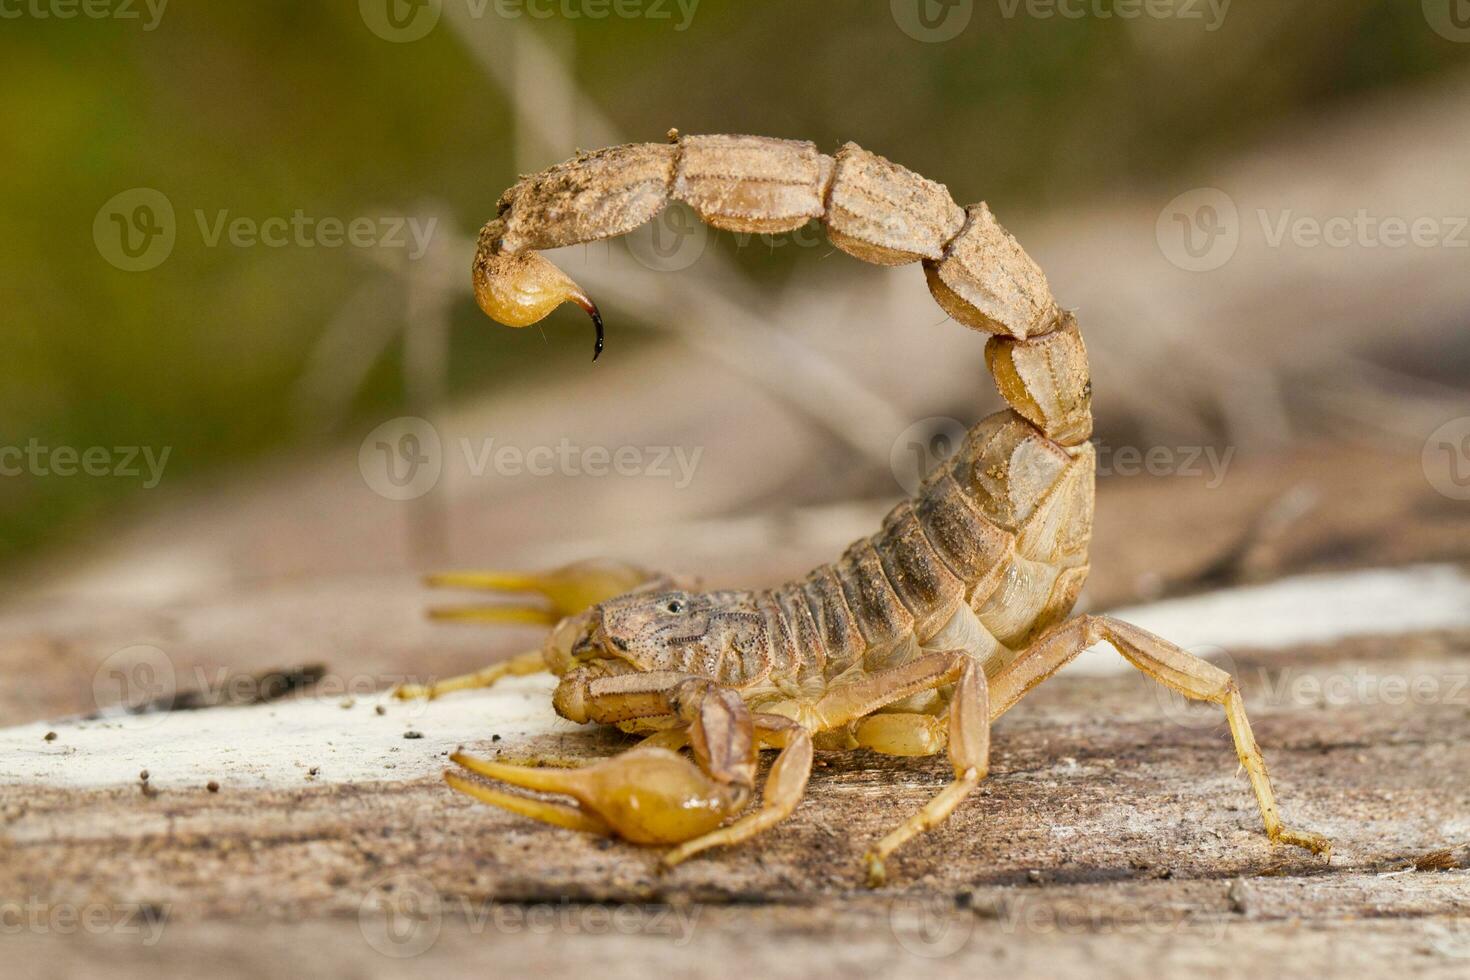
[
  {"x": 1114, "y": 837},
  {"x": 1109, "y": 838}
]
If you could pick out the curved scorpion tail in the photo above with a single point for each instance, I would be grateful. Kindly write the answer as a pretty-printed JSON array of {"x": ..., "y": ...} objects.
[{"x": 873, "y": 209}]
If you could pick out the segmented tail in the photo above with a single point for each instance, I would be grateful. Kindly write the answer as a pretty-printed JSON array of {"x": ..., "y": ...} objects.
[{"x": 873, "y": 209}]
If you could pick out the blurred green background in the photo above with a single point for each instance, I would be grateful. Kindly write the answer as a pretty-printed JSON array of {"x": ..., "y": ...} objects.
[{"x": 266, "y": 108}]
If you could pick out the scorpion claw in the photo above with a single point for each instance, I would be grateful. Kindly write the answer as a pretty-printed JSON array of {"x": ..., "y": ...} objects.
[
  {"x": 566, "y": 591},
  {"x": 647, "y": 795}
]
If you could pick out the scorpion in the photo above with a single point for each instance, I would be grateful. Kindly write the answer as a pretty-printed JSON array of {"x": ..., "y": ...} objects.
[{"x": 918, "y": 637}]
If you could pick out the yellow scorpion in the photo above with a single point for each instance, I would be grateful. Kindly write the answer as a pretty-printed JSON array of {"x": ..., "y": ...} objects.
[{"x": 914, "y": 641}]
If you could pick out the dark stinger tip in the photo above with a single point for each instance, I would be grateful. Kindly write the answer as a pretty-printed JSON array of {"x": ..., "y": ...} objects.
[{"x": 597, "y": 322}]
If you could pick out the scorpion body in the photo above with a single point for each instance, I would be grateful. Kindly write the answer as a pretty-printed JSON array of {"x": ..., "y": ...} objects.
[{"x": 913, "y": 641}]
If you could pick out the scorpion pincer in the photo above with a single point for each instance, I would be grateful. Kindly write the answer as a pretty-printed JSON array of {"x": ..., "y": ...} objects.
[{"x": 918, "y": 637}]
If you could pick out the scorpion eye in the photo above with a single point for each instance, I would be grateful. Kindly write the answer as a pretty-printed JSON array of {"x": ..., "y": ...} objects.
[{"x": 675, "y": 606}]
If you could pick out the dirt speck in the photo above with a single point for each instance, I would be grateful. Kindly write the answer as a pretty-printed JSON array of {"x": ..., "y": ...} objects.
[
  {"x": 212, "y": 786},
  {"x": 50, "y": 736},
  {"x": 413, "y": 734}
]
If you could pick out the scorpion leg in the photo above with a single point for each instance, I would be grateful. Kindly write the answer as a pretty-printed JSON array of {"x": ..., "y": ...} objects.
[
  {"x": 1174, "y": 668},
  {"x": 968, "y": 733},
  {"x": 563, "y": 592},
  {"x": 532, "y": 662}
]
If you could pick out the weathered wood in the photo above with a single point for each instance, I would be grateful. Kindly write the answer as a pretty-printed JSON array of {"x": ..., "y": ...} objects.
[{"x": 1109, "y": 835}]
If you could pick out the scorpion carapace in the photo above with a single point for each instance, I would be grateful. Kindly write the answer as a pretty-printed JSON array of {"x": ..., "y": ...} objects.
[{"x": 918, "y": 637}]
